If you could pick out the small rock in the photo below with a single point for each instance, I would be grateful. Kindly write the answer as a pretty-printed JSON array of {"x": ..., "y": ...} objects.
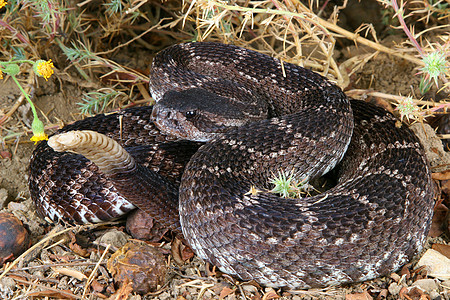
[
  {"x": 8, "y": 283},
  {"x": 115, "y": 238},
  {"x": 249, "y": 288},
  {"x": 142, "y": 227},
  {"x": 426, "y": 285},
  {"x": 165, "y": 296},
  {"x": 434, "y": 295},
  {"x": 437, "y": 264},
  {"x": 13, "y": 206},
  {"x": 63, "y": 283},
  {"x": 394, "y": 288}
]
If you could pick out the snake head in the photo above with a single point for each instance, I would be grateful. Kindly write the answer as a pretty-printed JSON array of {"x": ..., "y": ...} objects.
[{"x": 197, "y": 114}]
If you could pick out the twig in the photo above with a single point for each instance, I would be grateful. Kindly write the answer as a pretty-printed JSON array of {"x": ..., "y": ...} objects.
[
  {"x": 91, "y": 277},
  {"x": 360, "y": 92}
]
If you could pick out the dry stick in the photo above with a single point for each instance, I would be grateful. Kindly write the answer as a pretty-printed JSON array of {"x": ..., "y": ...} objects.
[
  {"x": 443, "y": 136},
  {"x": 325, "y": 25},
  {"x": 91, "y": 277},
  {"x": 359, "y": 92}
]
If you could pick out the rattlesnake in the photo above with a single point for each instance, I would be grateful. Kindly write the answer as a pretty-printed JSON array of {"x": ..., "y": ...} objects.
[{"x": 371, "y": 223}]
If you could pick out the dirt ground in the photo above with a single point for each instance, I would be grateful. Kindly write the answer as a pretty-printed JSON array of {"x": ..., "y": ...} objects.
[{"x": 42, "y": 271}]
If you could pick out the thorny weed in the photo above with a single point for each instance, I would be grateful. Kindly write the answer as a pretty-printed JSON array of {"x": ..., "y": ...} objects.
[{"x": 288, "y": 185}]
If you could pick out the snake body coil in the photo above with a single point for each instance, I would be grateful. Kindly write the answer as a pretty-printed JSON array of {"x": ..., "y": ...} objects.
[{"x": 371, "y": 223}]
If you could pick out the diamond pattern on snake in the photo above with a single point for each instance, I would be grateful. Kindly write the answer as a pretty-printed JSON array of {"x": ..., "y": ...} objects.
[{"x": 225, "y": 120}]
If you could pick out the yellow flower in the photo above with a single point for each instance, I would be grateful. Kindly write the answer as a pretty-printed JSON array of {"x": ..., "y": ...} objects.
[
  {"x": 39, "y": 137},
  {"x": 3, "y": 3},
  {"x": 38, "y": 131},
  {"x": 43, "y": 68},
  {"x": 1, "y": 73}
]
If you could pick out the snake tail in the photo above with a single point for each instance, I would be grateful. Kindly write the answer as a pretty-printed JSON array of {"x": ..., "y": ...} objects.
[{"x": 155, "y": 192}]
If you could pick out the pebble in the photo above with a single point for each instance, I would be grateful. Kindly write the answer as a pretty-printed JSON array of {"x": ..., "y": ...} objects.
[
  {"x": 434, "y": 295},
  {"x": 63, "y": 283},
  {"x": 114, "y": 238},
  {"x": 165, "y": 296},
  {"x": 14, "y": 206},
  {"x": 394, "y": 288},
  {"x": 249, "y": 288},
  {"x": 426, "y": 285},
  {"x": 8, "y": 283}
]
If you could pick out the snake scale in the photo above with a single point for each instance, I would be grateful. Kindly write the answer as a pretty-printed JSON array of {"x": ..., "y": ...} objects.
[{"x": 371, "y": 223}]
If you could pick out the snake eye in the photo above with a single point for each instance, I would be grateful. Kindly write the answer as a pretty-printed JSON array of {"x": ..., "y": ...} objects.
[{"x": 190, "y": 114}]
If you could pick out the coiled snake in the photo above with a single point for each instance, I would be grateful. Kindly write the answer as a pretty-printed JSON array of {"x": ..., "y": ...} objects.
[{"x": 371, "y": 223}]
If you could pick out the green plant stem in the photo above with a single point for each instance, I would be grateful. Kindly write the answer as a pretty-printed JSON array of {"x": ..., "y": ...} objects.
[
  {"x": 26, "y": 97},
  {"x": 5, "y": 63}
]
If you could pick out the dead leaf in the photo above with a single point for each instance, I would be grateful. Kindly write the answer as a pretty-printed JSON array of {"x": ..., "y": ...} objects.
[
  {"x": 176, "y": 251},
  {"x": 75, "y": 247},
  {"x": 403, "y": 293},
  {"x": 405, "y": 271},
  {"x": 443, "y": 249},
  {"x": 225, "y": 292},
  {"x": 97, "y": 286},
  {"x": 383, "y": 294},
  {"x": 187, "y": 253},
  {"x": 270, "y": 295},
  {"x": 416, "y": 293},
  {"x": 438, "y": 221},
  {"x": 123, "y": 292},
  {"x": 359, "y": 296},
  {"x": 143, "y": 227},
  {"x": 5, "y": 154}
]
